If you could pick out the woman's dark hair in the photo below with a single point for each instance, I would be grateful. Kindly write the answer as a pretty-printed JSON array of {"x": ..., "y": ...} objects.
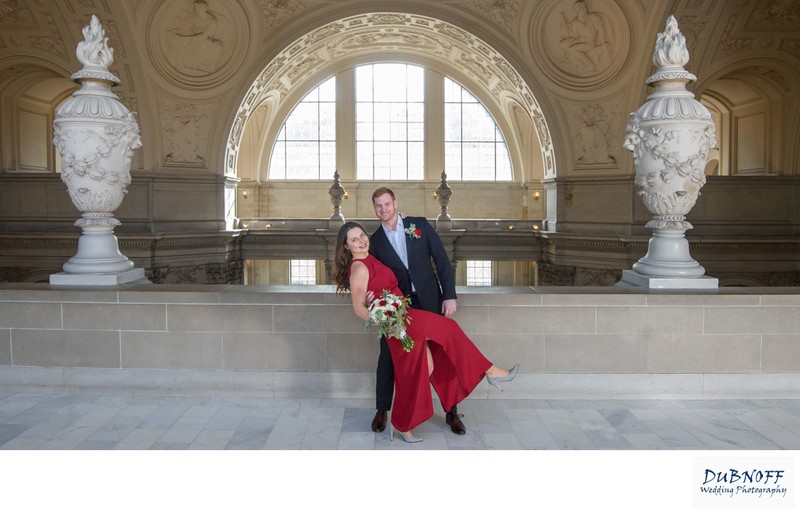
[{"x": 343, "y": 258}]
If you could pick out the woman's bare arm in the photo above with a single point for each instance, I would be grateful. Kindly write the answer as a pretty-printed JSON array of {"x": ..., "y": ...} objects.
[{"x": 359, "y": 278}]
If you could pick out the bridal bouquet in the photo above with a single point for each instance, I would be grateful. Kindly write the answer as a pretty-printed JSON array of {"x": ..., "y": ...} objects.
[{"x": 389, "y": 313}]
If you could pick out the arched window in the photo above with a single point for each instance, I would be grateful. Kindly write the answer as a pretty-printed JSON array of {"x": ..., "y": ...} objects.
[{"x": 391, "y": 113}]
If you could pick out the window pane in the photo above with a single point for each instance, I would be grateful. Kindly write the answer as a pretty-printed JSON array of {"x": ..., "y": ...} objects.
[
  {"x": 303, "y": 272},
  {"x": 416, "y": 132},
  {"x": 452, "y": 121},
  {"x": 327, "y": 91},
  {"x": 452, "y": 159},
  {"x": 390, "y": 82},
  {"x": 479, "y": 273},
  {"x": 452, "y": 91},
  {"x": 277, "y": 164},
  {"x": 416, "y": 160},
  {"x": 365, "y": 160},
  {"x": 416, "y": 112},
  {"x": 364, "y": 83},
  {"x": 327, "y": 121},
  {"x": 503, "y": 162},
  {"x": 391, "y": 116},
  {"x": 327, "y": 158},
  {"x": 305, "y": 148},
  {"x": 474, "y": 146},
  {"x": 415, "y": 89}
]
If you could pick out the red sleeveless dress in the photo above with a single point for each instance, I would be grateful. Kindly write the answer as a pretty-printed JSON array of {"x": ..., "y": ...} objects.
[{"x": 458, "y": 365}]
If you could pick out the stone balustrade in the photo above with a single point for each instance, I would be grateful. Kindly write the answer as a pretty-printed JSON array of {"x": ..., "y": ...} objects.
[{"x": 609, "y": 342}]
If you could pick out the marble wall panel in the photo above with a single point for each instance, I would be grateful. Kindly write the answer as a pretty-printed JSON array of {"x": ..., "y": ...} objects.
[
  {"x": 162, "y": 350},
  {"x": 767, "y": 320},
  {"x": 274, "y": 351},
  {"x": 31, "y": 315},
  {"x": 114, "y": 316},
  {"x": 781, "y": 353},
  {"x": 66, "y": 348},
  {"x": 220, "y": 318},
  {"x": 5, "y": 347}
]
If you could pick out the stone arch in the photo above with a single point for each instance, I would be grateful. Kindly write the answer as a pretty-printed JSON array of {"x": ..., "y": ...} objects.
[
  {"x": 429, "y": 41},
  {"x": 30, "y": 92},
  {"x": 761, "y": 91}
]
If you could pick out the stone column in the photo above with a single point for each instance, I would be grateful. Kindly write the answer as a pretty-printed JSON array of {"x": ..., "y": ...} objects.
[
  {"x": 670, "y": 137},
  {"x": 96, "y": 135}
]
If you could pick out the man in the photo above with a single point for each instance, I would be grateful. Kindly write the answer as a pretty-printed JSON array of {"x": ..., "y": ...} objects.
[{"x": 410, "y": 247}]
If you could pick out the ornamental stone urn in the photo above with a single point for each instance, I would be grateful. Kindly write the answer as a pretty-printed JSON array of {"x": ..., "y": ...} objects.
[
  {"x": 443, "y": 194},
  {"x": 336, "y": 192},
  {"x": 670, "y": 137},
  {"x": 96, "y": 135}
]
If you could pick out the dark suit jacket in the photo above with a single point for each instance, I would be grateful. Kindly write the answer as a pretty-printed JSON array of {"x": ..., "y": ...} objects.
[{"x": 432, "y": 286}]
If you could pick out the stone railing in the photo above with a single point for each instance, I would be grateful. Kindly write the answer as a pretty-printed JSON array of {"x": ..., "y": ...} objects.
[{"x": 609, "y": 342}]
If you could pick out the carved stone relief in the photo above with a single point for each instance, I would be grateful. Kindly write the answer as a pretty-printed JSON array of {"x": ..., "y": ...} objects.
[
  {"x": 501, "y": 12},
  {"x": 774, "y": 75},
  {"x": 14, "y": 12},
  {"x": 275, "y": 12},
  {"x": 594, "y": 130},
  {"x": 692, "y": 29},
  {"x": 211, "y": 273},
  {"x": 777, "y": 13},
  {"x": 790, "y": 47},
  {"x": 185, "y": 129},
  {"x": 198, "y": 42},
  {"x": 584, "y": 41},
  {"x": 729, "y": 44}
]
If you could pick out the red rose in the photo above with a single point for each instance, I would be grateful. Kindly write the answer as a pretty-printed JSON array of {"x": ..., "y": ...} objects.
[{"x": 418, "y": 232}]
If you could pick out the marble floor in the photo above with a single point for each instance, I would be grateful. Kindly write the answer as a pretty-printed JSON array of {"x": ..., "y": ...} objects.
[
  {"x": 207, "y": 453},
  {"x": 50, "y": 420}
]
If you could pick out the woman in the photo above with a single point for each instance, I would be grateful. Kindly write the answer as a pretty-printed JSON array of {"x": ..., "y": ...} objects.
[{"x": 443, "y": 356}]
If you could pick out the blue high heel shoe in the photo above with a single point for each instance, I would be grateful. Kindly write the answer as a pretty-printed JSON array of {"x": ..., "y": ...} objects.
[
  {"x": 410, "y": 439},
  {"x": 511, "y": 375}
]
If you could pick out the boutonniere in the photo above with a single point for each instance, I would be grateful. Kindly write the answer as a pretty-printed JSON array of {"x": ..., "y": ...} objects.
[{"x": 413, "y": 232}]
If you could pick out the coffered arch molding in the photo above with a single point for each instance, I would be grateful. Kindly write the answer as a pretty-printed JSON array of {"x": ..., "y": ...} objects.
[{"x": 434, "y": 43}]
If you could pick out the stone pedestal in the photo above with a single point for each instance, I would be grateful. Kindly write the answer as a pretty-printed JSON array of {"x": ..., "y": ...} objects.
[
  {"x": 649, "y": 282},
  {"x": 120, "y": 278}
]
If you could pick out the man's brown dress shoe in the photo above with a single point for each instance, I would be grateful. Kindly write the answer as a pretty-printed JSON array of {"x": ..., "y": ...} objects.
[
  {"x": 453, "y": 420},
  {"x": 379, "y": 421}
]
